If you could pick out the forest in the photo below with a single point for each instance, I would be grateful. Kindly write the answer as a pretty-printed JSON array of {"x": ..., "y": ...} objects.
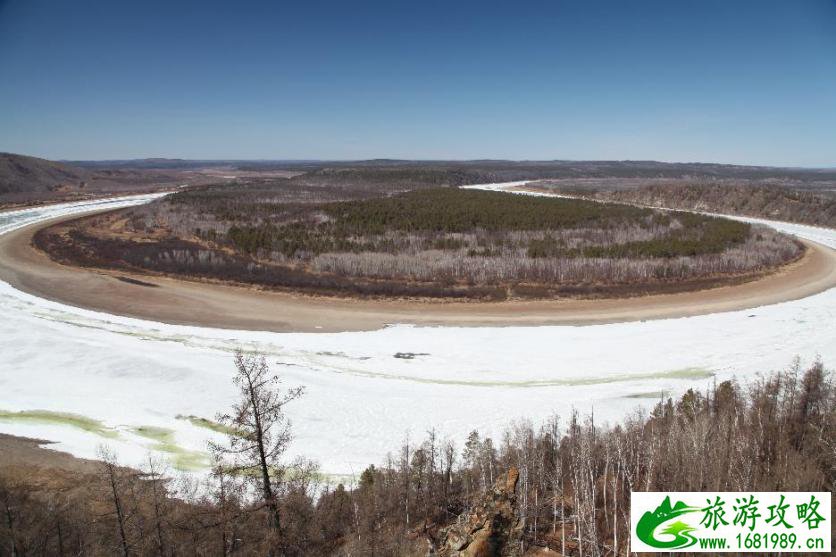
[
  {"x": 563, "y": 484},
  {"x": 813, "y": 206},
  {"x": 426, "y": 242}
]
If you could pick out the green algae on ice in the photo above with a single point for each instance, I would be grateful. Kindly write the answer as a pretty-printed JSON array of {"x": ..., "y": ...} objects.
[
  {"x": 48, "y": 417},
  {"x": 164, "y": 441}
]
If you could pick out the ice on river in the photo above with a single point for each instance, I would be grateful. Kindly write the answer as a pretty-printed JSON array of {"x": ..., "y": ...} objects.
[{"x": 366, "y": 390}]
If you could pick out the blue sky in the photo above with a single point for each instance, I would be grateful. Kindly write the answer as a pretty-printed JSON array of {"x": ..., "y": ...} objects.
[{"x": 719, "y": 81}]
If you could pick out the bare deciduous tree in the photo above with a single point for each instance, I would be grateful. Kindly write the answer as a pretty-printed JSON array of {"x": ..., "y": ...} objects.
[
  {"x": 114, "y": 479},
  {"x": 259, "y": 429}
]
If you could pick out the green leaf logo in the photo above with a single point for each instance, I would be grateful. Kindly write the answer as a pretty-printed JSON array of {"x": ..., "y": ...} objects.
[{"x": 681, "y": 532}]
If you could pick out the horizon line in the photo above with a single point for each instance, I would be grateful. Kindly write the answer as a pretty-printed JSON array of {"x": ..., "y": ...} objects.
[{"x": 826, "y": 166}]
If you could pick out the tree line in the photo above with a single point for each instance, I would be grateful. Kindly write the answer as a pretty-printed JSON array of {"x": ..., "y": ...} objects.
[{"x": 764, "y": 201}]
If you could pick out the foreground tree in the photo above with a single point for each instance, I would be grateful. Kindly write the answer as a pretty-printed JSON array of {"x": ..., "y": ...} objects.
[
  {"x": 259, "y": 431},
  {"x": 116, "y": 480}
]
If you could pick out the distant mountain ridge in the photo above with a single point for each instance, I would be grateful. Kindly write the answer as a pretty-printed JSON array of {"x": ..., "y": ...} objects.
[
  {"x": 23, "y": 174},
  {"x": 501, "y": 169},
  {"x": 26, "y": 180}
]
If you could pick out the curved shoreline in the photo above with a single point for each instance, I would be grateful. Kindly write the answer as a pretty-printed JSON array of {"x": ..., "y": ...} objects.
[{"x": 237, "y": 307}]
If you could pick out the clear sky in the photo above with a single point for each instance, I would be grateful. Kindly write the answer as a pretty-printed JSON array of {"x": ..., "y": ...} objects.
[{"x": 717, "y": 81}]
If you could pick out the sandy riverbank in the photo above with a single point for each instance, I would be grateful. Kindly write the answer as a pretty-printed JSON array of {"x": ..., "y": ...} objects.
[{"x": 214, "y": 305}]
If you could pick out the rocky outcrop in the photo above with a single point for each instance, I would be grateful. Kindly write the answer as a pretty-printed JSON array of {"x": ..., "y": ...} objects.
[{"x": 490, "y": 529}]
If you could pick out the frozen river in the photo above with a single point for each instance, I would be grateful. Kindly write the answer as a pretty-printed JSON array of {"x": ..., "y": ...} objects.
[{"x": 132, "y": 384}]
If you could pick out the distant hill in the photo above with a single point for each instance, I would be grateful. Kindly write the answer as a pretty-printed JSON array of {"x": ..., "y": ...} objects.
[
  {"x": 487, "y": 169},
  {"x": 22, "y": 174},
  {"x": 144, "y": 164},
  {"x": 765, "y": 202},
  {"x": 28, "y": 180}
]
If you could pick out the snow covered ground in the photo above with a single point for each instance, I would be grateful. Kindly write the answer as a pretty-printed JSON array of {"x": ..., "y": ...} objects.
[{"x": 130, "y": 379}]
